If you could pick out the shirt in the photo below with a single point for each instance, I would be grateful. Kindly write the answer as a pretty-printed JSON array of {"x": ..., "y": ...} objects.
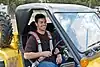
[{"x": 32, "y": 45}]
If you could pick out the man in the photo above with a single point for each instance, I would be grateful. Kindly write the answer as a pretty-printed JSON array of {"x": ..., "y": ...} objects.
[{"x": 31, "y": 49}]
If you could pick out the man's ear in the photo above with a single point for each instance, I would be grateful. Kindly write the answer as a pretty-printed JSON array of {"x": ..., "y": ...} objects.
[{"x": 35, "y": 23}]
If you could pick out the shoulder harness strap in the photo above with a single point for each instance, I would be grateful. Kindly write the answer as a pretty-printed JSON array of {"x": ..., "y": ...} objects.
[
  {"x": 37, "y": 39},
  {"x": 39, "y": 42},
  {"x": 50, "y": 41}
]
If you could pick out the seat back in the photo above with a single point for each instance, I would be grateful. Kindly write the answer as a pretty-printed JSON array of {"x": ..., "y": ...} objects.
[
  {"x": 25, "y": 36},
  {"x": 33, "y": 26}
]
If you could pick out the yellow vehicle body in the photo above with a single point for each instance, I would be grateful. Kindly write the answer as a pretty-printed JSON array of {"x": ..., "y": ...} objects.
[
  {"x": 12, "y": 56},
  {"x": 95, "y": 61}
]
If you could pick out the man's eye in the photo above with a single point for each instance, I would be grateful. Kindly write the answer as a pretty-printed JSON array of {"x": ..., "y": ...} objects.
[{"x": 41, "y": 22}]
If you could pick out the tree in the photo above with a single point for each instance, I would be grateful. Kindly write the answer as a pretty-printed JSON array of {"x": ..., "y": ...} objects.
[
  {"x": 89, "y": 3},
  {"x": 32, "y": 1}
]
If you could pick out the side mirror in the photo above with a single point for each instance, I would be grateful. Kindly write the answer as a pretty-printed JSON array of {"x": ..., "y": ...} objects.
[{"x": 68, "y": 64}]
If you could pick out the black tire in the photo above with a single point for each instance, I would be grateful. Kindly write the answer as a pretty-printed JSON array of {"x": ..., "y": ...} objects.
[{"x": 5, "y": 30}]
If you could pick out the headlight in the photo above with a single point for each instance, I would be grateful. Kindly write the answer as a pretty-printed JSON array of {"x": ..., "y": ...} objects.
[{"x": 84, "y": 62}]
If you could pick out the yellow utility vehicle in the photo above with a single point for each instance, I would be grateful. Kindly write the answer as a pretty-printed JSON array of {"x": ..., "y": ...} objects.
[
  {"x": 77, "y": 25},
  {"x": 10, "y": 55}
]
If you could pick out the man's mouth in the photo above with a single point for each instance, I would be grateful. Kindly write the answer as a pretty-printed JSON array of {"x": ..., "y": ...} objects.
[{"x": 43, "y": 26}]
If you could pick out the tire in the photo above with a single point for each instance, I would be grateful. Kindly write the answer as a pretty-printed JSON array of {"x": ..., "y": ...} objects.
[{"x": 5, "y": 30}]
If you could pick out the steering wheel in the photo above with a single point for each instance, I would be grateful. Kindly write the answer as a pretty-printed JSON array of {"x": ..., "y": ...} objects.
[{"x": 57, "y": 44}]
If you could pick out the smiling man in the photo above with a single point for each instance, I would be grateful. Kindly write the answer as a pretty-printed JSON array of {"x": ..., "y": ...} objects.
[{"x": 38, "y": 47}]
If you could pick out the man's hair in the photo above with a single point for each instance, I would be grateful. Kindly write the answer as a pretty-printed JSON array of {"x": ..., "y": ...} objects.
[{"x": 38, "y": 16}]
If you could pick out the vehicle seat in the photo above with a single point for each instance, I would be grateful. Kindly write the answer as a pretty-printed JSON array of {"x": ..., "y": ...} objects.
[
  {"x": 25, "y": 36},
  {"x": 50, "y": 27},
  {"x": 32, "y": 26}
]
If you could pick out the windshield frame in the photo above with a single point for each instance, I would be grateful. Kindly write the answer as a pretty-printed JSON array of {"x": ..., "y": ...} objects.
[
  {"x": 65, "y": 38},
  {"x": 67, "y": 33}
]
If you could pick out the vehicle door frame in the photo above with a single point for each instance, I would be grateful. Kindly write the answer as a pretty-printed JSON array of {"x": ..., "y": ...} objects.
[{"x": 65, "y": 38}]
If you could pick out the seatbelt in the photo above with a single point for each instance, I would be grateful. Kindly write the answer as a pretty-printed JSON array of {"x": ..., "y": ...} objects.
[
  {"x": 39, "y": 42},
  {"x": 39, "y": 45},
  {"x": 50, "y": 41},
  {"x": 39, "y": 49}
]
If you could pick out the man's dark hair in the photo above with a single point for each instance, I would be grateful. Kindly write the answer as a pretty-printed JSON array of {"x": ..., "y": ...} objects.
[{"x": 38, "y": 16}]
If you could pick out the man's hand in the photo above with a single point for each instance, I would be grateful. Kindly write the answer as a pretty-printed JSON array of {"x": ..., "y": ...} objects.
[
  {"x": 46, "y": 53},
  {"x": 59, "y": 59},
  {"x": 56, "y": 51}
]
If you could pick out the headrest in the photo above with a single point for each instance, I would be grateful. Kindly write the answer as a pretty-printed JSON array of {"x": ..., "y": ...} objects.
[{"x": 32, "y": 26}]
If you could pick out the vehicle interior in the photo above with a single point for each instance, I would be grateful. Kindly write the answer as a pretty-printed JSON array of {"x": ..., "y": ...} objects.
[{"x": 32, "y": 27}]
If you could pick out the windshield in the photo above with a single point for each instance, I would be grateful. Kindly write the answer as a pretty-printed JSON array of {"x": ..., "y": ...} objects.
[{"x": 82, "y": 28}]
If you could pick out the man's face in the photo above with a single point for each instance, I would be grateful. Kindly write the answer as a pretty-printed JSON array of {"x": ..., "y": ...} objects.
[{"x": 41, "y": 24}]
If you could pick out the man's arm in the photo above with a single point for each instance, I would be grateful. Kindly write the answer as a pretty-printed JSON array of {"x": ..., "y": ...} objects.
[
  {"x": 33, "y": 55},
  {"x": 31, "y": 51}
]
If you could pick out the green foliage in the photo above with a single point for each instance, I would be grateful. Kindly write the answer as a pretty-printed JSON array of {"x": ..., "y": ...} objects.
[
  {"x": 90, "y": 3},
  {"x": 31, "y": 1}
]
